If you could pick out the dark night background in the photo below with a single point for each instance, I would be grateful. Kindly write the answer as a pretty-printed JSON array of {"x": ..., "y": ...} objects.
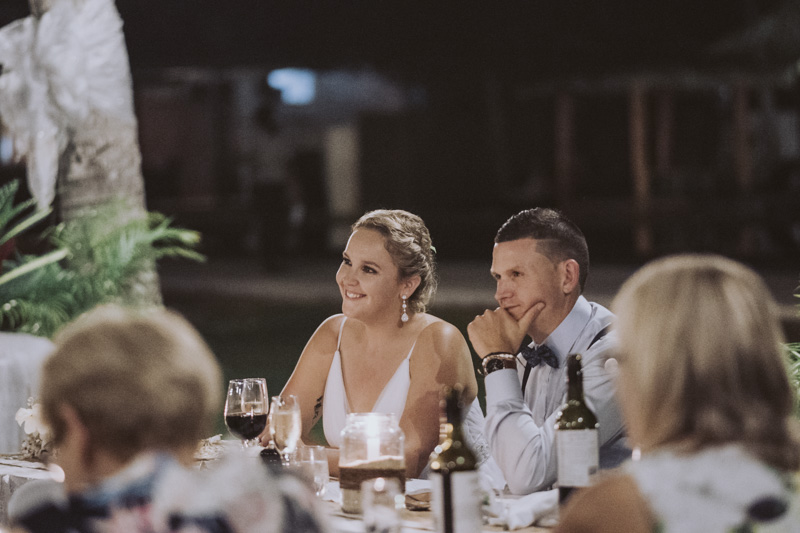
[
  {"x": 473, "y": 140},
  {"x": 520, "y": 40},
  {"x": 478, "y": 143}
]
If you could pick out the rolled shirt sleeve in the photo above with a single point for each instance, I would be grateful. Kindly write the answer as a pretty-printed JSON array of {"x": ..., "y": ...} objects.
[
  {"x": 521, "y": 448},
  {"x": 521, "y": 429}
]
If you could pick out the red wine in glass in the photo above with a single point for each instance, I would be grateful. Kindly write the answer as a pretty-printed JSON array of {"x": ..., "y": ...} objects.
[
  {"x": 246, "y": 426},
  {"x": 246, "y": 408}
]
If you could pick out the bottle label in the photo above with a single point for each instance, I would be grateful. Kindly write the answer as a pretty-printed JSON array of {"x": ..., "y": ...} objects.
[
  {"x": 456, "y": 502},
  {"x": 578, "y": 457}
]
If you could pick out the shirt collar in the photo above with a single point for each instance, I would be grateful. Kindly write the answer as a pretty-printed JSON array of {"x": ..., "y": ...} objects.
[{"x": 562, "y": 339}]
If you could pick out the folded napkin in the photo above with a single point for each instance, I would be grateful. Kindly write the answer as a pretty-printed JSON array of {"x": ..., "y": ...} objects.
[
  {"x": 418, "y": 494},
  {"x": 539, "y": 508}
]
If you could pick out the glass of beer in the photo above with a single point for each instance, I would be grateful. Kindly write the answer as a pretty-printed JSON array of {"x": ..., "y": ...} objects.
[{"x": 285, "y": 425}]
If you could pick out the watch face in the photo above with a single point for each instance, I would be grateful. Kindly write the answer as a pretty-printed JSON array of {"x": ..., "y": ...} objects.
[{"x": 494, "y": 364}]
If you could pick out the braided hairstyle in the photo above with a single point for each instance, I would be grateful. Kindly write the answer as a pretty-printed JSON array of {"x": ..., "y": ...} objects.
[{"x": 408, "y": 242}]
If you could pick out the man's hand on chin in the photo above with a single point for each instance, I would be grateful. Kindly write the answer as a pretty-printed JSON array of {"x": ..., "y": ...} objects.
[{"x": 497, "y": 331}]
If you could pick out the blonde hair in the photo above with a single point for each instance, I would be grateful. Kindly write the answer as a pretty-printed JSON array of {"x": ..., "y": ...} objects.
[
  {"x": 136, "y": 381},
  {"x": 702, "y": 359},
  {"x": 409, "y": 243}
]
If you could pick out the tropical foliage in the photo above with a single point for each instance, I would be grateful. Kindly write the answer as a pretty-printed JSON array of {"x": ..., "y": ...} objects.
[
  {"x": 794, "y": 369},
  {"x": 95, "y": 259}
]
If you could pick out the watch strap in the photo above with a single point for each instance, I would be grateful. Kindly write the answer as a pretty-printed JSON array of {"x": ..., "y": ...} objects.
[{"x": 498, "y": 361}]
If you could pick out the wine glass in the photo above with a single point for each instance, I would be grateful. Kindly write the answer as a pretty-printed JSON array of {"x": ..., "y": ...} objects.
[
  {"x": 246, "y": 408},
  {"x": 285, "y": 425},
  {"x": 312, "y": 461}
]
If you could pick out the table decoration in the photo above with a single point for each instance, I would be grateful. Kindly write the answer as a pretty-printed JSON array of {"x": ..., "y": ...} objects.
[
  {"x": 210, "y": 448},
  {"x": 372, "y": 447},
  {"x": 37, "y": 442}
]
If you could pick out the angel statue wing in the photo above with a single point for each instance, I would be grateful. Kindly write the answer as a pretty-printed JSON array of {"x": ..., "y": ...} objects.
[
  {"x": 27, "y": 112},
  {"x": 66, "y": 80}
]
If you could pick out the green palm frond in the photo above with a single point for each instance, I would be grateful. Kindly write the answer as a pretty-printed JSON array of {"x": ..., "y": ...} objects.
[
  {"x": 97, "y": 259},
  {"x": 9, "y": 212},
  {"x": 793, "y": 350},
  {"x": 794, "y": 371}
]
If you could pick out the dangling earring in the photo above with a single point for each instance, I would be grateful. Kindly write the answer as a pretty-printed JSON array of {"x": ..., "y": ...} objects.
[{"x": 404, "y": 316}]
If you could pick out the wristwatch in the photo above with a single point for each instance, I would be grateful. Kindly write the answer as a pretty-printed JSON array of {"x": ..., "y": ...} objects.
[{"x": 498, "y": 361}]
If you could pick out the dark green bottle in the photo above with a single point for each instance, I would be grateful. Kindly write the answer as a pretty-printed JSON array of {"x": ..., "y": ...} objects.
[
  {"x": 576, "y": 435},
  {"x": 455, "y": 487}
]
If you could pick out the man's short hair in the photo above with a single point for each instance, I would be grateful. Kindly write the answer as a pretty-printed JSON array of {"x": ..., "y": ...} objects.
[
  {"x": 137, "y": 381},
  {"x": 558, "y": 238}
]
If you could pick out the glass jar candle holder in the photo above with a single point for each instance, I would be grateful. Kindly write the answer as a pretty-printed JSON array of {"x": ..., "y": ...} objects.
[{"x": 372, "y": 447}]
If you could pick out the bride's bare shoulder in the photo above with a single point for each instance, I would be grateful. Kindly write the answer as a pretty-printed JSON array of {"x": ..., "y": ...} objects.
[
  {"x": 442, "y": 336},
  {"x": 327, "y": 333}
]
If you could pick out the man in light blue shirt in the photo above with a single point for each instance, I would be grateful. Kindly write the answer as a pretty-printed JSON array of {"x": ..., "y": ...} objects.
[{"x": 540, "y": 263}]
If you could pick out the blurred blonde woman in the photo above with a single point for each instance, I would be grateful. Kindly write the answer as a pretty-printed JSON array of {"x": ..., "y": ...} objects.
[
  {"x": 128, "y": 397},
  {"x": 705, "y": 392},
  {"x": 384, "y": 353}
]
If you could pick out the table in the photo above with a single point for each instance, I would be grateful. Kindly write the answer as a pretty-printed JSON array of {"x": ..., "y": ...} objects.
[
  {"x": 13, "y": 474},
  {"x": 412, "y": 521}
]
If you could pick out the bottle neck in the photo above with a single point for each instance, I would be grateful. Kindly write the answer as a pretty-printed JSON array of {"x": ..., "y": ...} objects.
[
  {"x": 574, "y": 378},
  {"x": 454, "y": 421}
]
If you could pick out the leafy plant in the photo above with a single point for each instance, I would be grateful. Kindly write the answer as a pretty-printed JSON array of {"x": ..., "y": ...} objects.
[
  {"x": 793, "y": 350},
  {"x": 9, "y": 212},
  {"x": 794, "y": 370},
  {"x": 96, "y": 259}
]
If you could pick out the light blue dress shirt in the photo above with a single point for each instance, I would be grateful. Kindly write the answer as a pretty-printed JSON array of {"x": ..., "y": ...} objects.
[{"x": 521, "y": 429}]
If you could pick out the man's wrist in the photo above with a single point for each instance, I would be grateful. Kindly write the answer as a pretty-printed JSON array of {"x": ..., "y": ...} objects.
[{"x": 498, "y": 361}]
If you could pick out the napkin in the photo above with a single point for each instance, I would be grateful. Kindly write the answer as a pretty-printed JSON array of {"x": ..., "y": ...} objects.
[
  {"x": 418, "y": 494},
  {"x": 539, "y": 508}
]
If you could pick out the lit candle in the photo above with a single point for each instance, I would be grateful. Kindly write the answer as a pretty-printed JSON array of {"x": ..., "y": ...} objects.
[
  {"x": 373, "y": 439},
  {"x": 373, "y": 448}
]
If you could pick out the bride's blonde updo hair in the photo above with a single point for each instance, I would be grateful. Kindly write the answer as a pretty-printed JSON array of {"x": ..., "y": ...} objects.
[{"x": 409, "y": 243}]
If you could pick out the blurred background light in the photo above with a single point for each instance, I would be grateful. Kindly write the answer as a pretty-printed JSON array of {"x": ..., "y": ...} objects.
[{"x": 297, "y": 86}]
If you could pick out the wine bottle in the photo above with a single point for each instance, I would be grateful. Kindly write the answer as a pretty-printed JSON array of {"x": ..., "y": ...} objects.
[
  {"x": 455, "y": 486},
  {"x": 576, "y": 435}
]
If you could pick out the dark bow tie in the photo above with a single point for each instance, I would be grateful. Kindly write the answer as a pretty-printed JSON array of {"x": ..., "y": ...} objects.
[{"x": 539, "y": 354}]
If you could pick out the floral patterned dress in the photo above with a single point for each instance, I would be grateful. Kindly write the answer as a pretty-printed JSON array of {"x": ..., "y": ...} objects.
[
  {"x": 722, "y": 489},
  {"x": 157, "y": 495}
]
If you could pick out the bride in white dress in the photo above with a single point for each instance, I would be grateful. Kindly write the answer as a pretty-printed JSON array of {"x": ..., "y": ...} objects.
[{"x": 384, "y": 353}]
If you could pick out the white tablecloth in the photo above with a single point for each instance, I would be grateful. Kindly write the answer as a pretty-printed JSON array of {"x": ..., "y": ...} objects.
[
  {"x": 411, "y": 521},
  {"x": 13, "y": 474}
]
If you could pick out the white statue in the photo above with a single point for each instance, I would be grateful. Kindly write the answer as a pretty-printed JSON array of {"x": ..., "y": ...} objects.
[{"x": 66, "y": 97}]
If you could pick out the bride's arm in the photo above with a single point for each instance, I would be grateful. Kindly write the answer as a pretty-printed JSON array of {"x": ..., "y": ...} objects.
[
  {"x": 441, "y": 358},
  {"x": 307, "y": 381}
]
